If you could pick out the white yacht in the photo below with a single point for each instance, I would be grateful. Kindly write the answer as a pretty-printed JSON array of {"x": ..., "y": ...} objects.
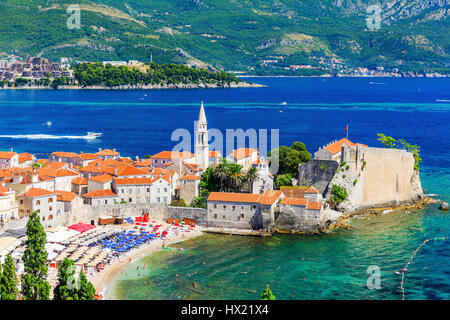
[{"x": 94, "y": 134}]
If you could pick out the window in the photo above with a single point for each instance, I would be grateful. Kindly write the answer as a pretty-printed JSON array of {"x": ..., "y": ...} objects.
[
  {"x": 21, "y": 201},
  {"x": 38, "y": 202},
  {"x": 123, "y": 190},
  {"x": 158, "y": 199},
  {"x": 223, "y": 217},
  {"x": 106, "y": 201},
  {"x": 43, "y": 218},
  {"x": 165, "y": 199},
  {"x": 224, "y": 207},
  {"x": 130, "y": 190},
  {"x": 50, "y": 217},
  {"x": 215, "y": 215},
  {"x": 253, "y": 207},
  {"x": 50, "y": 200},
  {"x": 215, "y": 206},
  {"x": 159, "y": 190},
  {"x": 165, "y": 189},
  {"x": 242, "y": 215},
  {"x": 148, "y": 189},
  {"x": 50, "y": 208},
  {"x": 130, "y": 200},
  {"x": 234, "y": 208}
]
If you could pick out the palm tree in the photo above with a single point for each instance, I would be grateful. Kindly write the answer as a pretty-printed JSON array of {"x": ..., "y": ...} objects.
[
  {"x": 235, "y": 177},
  {"x": 221, "y": 172},
  {"x": 250, "y": 176}
]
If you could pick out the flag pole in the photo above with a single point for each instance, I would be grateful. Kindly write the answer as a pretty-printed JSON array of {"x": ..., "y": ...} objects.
[{"x": 347, "y": 131}]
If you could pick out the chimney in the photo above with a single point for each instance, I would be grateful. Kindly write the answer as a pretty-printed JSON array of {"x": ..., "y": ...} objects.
[
  {"x": 11, "y": 150},
  {"x": 114, "y": 149},
  {"x": 137, "y": 158},
  {"x": 99, "y": 149}
]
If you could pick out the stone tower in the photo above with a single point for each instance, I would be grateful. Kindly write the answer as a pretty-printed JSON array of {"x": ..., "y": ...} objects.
[{"x": 201, "y": 141}]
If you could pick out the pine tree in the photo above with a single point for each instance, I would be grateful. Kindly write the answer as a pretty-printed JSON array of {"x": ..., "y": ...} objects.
[
  {"x": 67, "y": 287},
  {"x": 267, "y": 294},
  {"x": 34, "y": 284},
  {"x": 86, "y": 290},
  {"x": 8, "y": 280}
]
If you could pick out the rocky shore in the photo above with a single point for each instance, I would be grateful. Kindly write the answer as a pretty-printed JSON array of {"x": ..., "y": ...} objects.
[
  {"x": 243, "y": 84},
  {"x": 343, "y": 220}
]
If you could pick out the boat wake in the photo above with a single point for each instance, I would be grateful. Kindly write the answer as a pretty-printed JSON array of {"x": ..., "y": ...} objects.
[{"x": 45, "y": 137}]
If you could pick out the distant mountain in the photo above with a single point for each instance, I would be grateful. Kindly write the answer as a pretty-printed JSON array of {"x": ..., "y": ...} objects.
[{"x": 234, "y": 35}]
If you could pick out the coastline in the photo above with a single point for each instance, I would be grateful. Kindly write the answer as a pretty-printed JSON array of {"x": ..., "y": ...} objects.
[
  {"x": 233, "y": 85},
  {"x": 103, "y": 280},
  {"x": 342, "y": 221}
]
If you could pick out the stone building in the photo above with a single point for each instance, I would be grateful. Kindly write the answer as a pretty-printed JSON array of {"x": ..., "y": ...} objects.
[
  {"x": 264, "y": 179},
  {"x": 242, "y": 210},
  {"x": 100, "y": 197},
  {"x": 332, "y": 151},
  {"x": 39, "y": 199},
  {"x": 8, "y": 159},
  {"x": 189, "y": 188},
  {"x": 9, "y": 209}
]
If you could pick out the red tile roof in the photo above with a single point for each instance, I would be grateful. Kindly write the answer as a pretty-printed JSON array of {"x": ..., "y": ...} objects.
[
  {"x": 234, "y": 197},
  {"x": 37, "y": 192},
  {"x": 336, "y": 147},
  {"x": 173, "y": 155},
  {"x": 7, "y": 154},
  {"x": 100, "y": 194},
  {"x": 314, "y": 205},
  {"x": 23, "y": 157},
  {"x": 190, "y": 177},
  {"x": 133, "y": 181},
  {"x": 63, "y": 154},
  {"x": 54, "y": 173},
  {"x": 107, "y": 152},
  {"x": 311, "y": 189},
  {"x": 214, "y": 153},
  {"x": 294, "y": 201},
  {"x": 242, "y": 153},
  {"x": 270, "y": 197},
  {"x": 55, "y": 165},
  {"x": 65, "y": 196},
  {"x": 87, "y": 156},
  {"x": 101, "y": 178},
  {"x": 79, "y": 181}
]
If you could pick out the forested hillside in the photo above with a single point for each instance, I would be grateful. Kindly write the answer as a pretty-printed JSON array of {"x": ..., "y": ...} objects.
[{"x": 234, "y": 35}]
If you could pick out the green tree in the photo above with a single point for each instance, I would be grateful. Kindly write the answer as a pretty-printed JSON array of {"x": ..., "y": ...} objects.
[
  {"x": 34, "y": 284},
  {"x": 387, "y": 141},
  {"x": 66, "y": 289},
  {"x": 86, "y": 290},
  {"x": 8, "y": 280},
  {"x": 283, "y": 180},
  {"x": 267, "y": 294},
  {"x": 338, "y": 194},
  {"x": 199, "y": 202},
  {"x": 250, "y": 176}
]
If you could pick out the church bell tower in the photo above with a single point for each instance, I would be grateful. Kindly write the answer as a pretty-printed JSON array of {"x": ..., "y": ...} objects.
[{"x": 201, "y": 140}]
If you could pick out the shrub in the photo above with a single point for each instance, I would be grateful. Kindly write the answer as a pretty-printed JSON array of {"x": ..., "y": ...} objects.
[
  {"x": 355, "y": 181},
  {"x": 347, "y": 167},
  {"x": 323, "y": 167},
  {"x": 339, "y": 194}
]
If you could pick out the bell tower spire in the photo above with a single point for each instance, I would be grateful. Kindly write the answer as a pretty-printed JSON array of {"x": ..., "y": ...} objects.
[{"x": 201, "y": 140}]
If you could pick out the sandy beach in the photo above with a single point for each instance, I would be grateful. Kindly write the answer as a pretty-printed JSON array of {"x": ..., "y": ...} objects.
[{"x": 101, "y": 280}]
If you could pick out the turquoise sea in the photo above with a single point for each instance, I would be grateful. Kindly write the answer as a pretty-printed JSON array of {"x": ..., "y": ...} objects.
[{"x": 330, "y": 266}]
